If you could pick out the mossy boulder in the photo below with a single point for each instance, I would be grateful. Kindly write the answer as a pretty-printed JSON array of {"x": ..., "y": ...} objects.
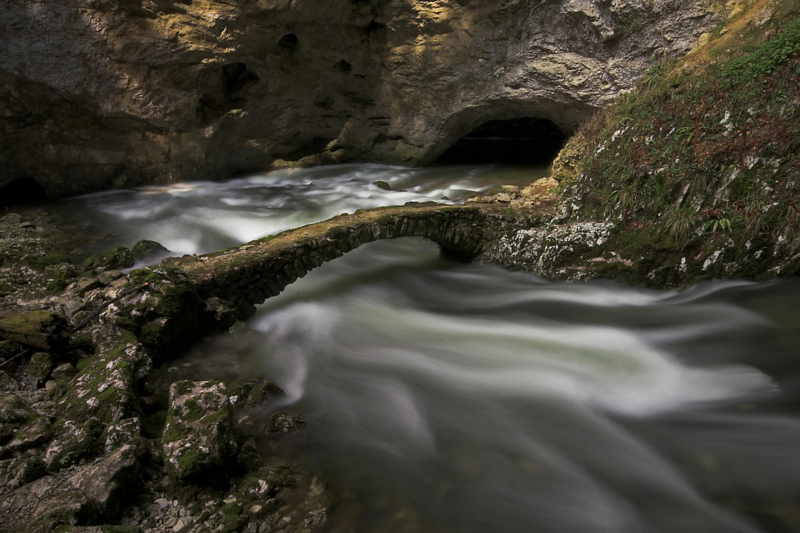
[
  {"x": 107, "y": 483},
  {"x": 105, "y": 387},
  {"x": 117, "y": 257},
  {"x": 198, "y": 440},
  {"x": 144, "y": 250},
  {"x": 76, "y": 440},
  {"x": 251, "y": 393}
]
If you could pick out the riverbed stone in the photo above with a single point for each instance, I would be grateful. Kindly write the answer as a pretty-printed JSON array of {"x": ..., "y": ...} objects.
[
  {"x": 146, "y": 249},
  {"x": 286, "y": 423},
  {"x": 107, "y": 482},
  {"x": 198, "y": 438}
]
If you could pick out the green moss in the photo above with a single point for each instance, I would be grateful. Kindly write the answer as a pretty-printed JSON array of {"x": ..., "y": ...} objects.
[
  {"x": 188, "y": 464},
  {"x": 81, "y": 341},
  {"x": 283, "y": 475},
  {"x": 43, "y": 261},
  {"x": 175, "y": 432},
  {"x": 83, "y": 364},
  {"x": 117, "y": 257}
]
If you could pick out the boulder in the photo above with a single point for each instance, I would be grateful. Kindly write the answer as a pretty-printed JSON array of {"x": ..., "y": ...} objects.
[
  {"x": 198, "y": 439},
  {"x": 117, "y": 257},
  {"x": 105, "y": 387},
  {"x": 75, "y": 441},
  {"x": 144, "y": 250},
  {"x": 107, "y": 482}
]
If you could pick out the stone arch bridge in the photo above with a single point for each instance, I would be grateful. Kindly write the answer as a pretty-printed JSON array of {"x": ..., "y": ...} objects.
[{"x": 249, "y": 274}]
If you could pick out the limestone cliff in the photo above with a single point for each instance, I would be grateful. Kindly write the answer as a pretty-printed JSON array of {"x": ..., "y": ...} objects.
[{"x": 97, "y": 94}]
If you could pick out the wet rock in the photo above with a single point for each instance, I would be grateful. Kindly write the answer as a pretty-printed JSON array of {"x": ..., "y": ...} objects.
[
  {"x": 53, "y": 389},
  {"x": 252, "y": 393},
  {"x": 286, "y": 423},
  {"x": 144, "y": 250},
  {"x": 198, "y": 437},
  {"x": 11, "y": 218},
  {"x": 118, "y": 257},
  {"x": 316, "y": 520},
  {"x": 382, "y": 185},
  {"x": 224, "y": 313},
  {"x": 107, "y": 482}
]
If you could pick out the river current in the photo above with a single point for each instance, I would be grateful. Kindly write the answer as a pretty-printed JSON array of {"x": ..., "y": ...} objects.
[{"x": 465, "y": 398}]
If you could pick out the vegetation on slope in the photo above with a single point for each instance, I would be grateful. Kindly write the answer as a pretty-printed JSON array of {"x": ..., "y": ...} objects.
[{"x": 699, "y": 167}]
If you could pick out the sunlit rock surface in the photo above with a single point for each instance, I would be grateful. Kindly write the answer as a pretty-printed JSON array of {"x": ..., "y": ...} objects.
[{"x": 97, "y": 94}]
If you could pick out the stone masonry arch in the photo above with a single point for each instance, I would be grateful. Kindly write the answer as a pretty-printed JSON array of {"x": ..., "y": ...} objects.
[{"x": 249, "y": 274}]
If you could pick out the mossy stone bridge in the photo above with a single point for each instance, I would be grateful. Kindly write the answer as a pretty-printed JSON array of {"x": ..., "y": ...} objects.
[{"x": 249, "y": 274}]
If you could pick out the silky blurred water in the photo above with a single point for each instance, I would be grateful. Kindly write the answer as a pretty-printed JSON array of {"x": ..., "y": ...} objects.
[{"x": 466, "y": 398}]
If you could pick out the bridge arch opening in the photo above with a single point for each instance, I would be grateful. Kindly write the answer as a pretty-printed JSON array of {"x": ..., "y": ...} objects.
[{"x": 526, "y": 140}]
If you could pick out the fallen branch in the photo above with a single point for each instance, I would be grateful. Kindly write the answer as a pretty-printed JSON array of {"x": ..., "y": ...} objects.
[{"x": 20, "y": 354}]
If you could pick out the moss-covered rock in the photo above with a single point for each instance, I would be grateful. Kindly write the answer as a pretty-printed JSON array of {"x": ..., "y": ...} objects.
[
  {"x": 117, "y": 257},
  {"x": 247, "y": 394},
  {"x": 75, "y": 441},
  {"x": 144, "y": 250},
  {"x": 198, "y": 440},
  {"x": 166, "y": 315},
  {"x": 107, "y": 482},
  {"x": 105, "y": 386}
]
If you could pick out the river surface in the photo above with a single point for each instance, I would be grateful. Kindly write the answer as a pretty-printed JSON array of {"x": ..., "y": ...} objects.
[{"x": 446, "y": 397}]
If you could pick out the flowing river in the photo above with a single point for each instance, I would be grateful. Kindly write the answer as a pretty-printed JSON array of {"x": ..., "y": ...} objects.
[{"x": 465, "y": 398}]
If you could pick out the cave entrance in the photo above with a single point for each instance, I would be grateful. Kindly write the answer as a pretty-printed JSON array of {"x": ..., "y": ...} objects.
[
  {"x": 531, "y": 141},
  {"x": 21, "y": 191}
]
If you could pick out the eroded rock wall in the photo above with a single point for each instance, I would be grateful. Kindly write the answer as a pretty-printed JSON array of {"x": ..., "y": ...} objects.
[{"x": 97, "y": 94}]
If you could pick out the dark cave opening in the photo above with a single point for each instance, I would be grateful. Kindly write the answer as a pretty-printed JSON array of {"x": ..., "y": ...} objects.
[
  {"x": 21, "y": 191},
  {"x": 516, "y": 141}
]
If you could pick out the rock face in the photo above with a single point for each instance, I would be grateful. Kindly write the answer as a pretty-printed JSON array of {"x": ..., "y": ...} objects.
[{"x": 96, "y": 94}]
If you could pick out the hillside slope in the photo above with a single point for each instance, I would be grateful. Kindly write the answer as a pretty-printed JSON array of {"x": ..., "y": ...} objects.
[{"x": 693, "y": 175}]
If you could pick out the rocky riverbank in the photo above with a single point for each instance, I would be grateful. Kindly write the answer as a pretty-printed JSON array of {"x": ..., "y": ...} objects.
[{"x": 94, "y": 439}]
